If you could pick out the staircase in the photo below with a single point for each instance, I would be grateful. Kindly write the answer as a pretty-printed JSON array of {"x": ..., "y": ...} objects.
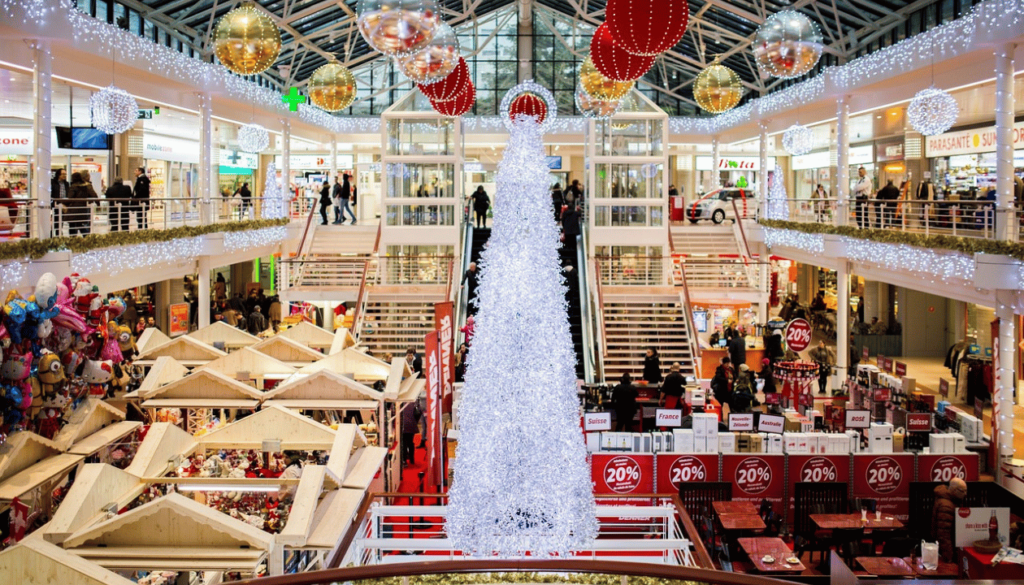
[
  {"x": 340, "y": 240},
  {"x": 334, "y": 263},
  {"x": 396, "y": 324},
  {"x": 705, "y": 240},
  {"x": 568, "y": 255},
  {"x": 480, "y": 237},
  {"x": 634, "y": 324}
]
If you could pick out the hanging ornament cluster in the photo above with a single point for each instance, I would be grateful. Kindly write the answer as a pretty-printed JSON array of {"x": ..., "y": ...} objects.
[
  {"x": 932, "y": 111},
  {"x": 798, "y": 139},
  {"x": 787, "y": 44},
  {"x": 398, "y": 27},
  {"x": 717, "y": 88},
  {"x": 246, "y": 40},
  {"x": 528, "y": 100},
  {"x": 647, "y": 27},
  {"x": 796, "y": 371},
  {"x": 114, "y": 110},
  {"x": 253, "y": 138},
  {"x": 332, "y": 87}
]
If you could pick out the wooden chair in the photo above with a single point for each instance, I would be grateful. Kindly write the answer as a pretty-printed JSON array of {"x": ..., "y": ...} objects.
[
  {"x": 698, "y": 497},
  {"x": 817, "y": 498}
]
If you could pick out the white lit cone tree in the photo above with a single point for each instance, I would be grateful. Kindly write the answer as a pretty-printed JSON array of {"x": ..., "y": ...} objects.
[
  {"x": 273, "y": 198},
  {"x": 521, "y": 478},
  {"x": 778, "y": 205}
]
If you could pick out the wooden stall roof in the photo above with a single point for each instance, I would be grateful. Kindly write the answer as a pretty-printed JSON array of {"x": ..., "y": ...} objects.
[
  {"x": 294, "y": 430},
  {"x": 221, "y": 331},
  {"x": 346, "y": 437},
  {"x": 288, "y": 350},
  {"x": 96, "y": 486},
  {"x": 204, "y": 388},
  {"x": 248, "y": 360},
  {"x": 399, "y": 370},
  {"x": 300, "y": 518},
  {"x": 324, "y": 390},
  {"x": 310, "y": 335},
  {"x": 351, "y": 361},
  {"x": 36, "y": 475},
  {"x": 411, "y": 388},
  {"x": 91, "y": 415},
  {"x": 185, "y": 349},
  {"x": 22, "y": 450},
  {"x": 333, "y": 517},
  {"x": 343, "y": 339},
  {"x": 363, "y": 467},
  {"x": 164, "y": 371},
  {"x": 163, "y": 442},
  {"x": 151, "y": 338},
  {"x": 104, "y": 437},
  {"x": 36, "y": 562},
  {"x": 172, "y": 531}
]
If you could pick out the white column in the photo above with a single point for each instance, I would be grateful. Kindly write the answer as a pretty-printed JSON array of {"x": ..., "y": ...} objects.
[
  {"x": 286, "y": 163},
  {"x": 204, "y": 291},
  {"x": 525, "y": 37},
  {"x": 842, "y": 160},
  {"x": 1006, "y": 220},
  {"x": 42, "y": 127},
  {"x": 715, "y": 158},
  {"x": 207, "y": 186},
  {"x": 1005, "y": 379},
  {"x": 762, "y": 183},
  {"x": 842, "y": 318}
]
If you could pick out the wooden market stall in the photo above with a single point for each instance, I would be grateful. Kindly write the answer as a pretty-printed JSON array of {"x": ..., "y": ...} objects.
[
  {"x": 149, "y": 339},
  {"x": 91, "y": 416},
  {"x": 294, "y": 430},
  {"x": 163, "y": 446},
  {"x": 328, "y": 393},
  {"x": 309, "y": 335},
  {"x": 30, "y": 467},
  {"x": 288, "y": 351},
  {"x": 354, "y": 364},
  {"x": 188, "y": 351},
  {"x": 36, "y": 562},
  {"x": 343, "y": 339},
  {"x": 198, "y": 394},
  {"x": 250, "y": 365},
  {"x": 163, "y": 371},
  {"x": 98, "y": 491},
  {"x": 224, "y": 336}
]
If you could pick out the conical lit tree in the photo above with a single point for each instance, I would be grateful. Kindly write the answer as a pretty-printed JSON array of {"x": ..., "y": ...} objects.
[{"x": 521, "y": 479}]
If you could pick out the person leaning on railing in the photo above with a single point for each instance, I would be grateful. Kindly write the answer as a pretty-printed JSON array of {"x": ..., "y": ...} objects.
[
  {"x": 8, "y": 208},
  {"x": 119, "y": 198},
  {"x": 78, "y": 204}
]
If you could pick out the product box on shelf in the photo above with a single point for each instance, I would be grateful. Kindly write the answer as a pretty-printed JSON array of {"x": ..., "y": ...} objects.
[
  {"x": 959, "y": 443},
  {"x": 700, "y": 445},
  {"x": 881, "y": 444},
  {"x": 593, "y": 442},
  {"x": 705, "y": 425},
  {"x": 898, "y": 442},
  {"x": 880, "y": 430},
  {"x": 774, "y": 444},
  {"x": 609, "y": 441},
  {"x": 756, "y": 443},
  {"x": 696, "y": 396},
  {"x": 940, "y": 406},
  {"x": 971, "y": 427},
  {"x": 726, "y": 442},
  {"x": 854, "y": 438},
  {"x": 682, "y": 440},
  {"x": 625, "y": 441}
]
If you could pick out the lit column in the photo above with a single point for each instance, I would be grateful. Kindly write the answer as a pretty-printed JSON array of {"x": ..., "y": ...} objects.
[
  {"x": 762, "y": 183},
  {"x": 286, "y": 162},
  {"x": 42, "y": 126},
  {"x": 842, "y": 318},
  {"x": 204, "y": 291},
  {"x": 334, "y": 161},
  {"x": 207, "y": 186},
  {"x": 1006, "y": 220},
  {"x": 715, "y": 158},
  {"x": 1005, "y": 379},
  {"x": 842, "y": 160}
]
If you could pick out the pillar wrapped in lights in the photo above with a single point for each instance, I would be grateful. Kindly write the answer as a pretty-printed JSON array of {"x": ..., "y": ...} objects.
[
  {"x": 246, "y": 40},
  {"x": 600, "y": 87},
  {"x": 932, "y": 111},
  {"x": 253, "y": 138},
  {"x": 614, "y": 62},
  {"x": 798, "y": 140},
  {"x": 458, "y": 106},
  {"x": 647, "y": 27},
  {"x": 433, "y": 62},
  {"x": 397, "y": 27},
  {"x": 332, "y": 87},
  {"x": 787, "y": 44},
  {"x": 717, "y": 89},
  {"x": 450, "y": 87},
  {"x": 114, "y": 110},
  {"x": 595, "y": 108}
]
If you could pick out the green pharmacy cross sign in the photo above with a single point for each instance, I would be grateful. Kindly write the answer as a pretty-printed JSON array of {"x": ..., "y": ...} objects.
[{"x": 293, "y": 98}]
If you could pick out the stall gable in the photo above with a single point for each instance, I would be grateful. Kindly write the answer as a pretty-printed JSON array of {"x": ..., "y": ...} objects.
[
  {"x": 351, "y": 362},
  {"x": 23, "y": 450},
  {"x": 35, "y": 562},
  {"x": 221, "y": 331},
  {"x": 294, "y": 430},
  {"x": 248, "y": 360},
  {"x": 308, "y": 334},
  {"x": 151, "y": 338},
  {"x": 399, "y": 370},
  {"x": 363, "y": 467},
  {"x": 333, "y": 517},
  {"x": 323, "y": 385},
  {"x": 347, "y": 437},
  {"x": 97, "y": 486},
  {"x": 288, "y": 350},
  {"x": 300, "y": 519},
  {"x": 184, "y": 349},
  {"x": 164, "y": 371},
  {"x": 207, "y": 384},
  {"x": 343, "y": 339},
  {"x": 90, "y": 416},
  {"x": 163, "y": 442}
]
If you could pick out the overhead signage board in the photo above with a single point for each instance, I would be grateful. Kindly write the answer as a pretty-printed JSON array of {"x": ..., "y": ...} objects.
[{"x": 734, "y": 163}]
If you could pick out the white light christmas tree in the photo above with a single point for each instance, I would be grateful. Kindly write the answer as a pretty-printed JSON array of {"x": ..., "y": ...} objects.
[
  {"x": 521, "y": 478},
  {"x": 273, "y": 197},
  {"x": 778, "y": 206}
]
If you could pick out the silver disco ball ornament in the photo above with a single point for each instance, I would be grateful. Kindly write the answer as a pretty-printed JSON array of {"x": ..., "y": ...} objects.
[
  {"x": 787, "y": 44},
  {"x": 398, "y": 27},
  {"x": 932, "y": 111},
  {"x": 114, "y": 110},
  {"x": 433, "y": 62},
  {"x": 798, "y": 140},
  {"x": 253, "y": 138}
]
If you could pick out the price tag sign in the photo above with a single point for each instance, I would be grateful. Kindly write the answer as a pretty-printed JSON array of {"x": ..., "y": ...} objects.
[
  {"x": 881, "y": 394},
  {"x": 919, "y": 422},
  {"x": 944, "y": 387},
  {"x": 622, "y": 475},
  {"x": 901, "y": 369},
  {"x": 858, "y": 419},
  {"x": 887, "y": 363},
  {"x": 597, "y": 421},
  {"x": 773, "y": 398},
  {"x": 741, "y": 422},
  {"x": 880, "y": 361},
  {"x": 864, "y": 354},
  {"x": 884, "y": 475},
  {"x": 668, "y": 417},
  {"x": 769, "y": 423},
  {"x": 753, "y": 475},
  {"x": 798, "y": 335}
]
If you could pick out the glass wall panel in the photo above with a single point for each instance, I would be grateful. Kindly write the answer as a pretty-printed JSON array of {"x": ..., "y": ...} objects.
[
  {"x": 415, "y": 137},
  {"x": 629, "y": 180}
]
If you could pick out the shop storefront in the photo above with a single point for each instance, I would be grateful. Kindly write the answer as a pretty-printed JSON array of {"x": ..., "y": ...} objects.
[
  {"x": 733, "y": 171},
  {"x": 15, "y": 160},
  {"x": 890, "y": 162},
  {"x": 811, "y": 170},
  {"x": 964, "y": 162}
]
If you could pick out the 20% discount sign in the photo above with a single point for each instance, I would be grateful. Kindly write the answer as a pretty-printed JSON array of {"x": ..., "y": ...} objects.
[{"x": 753, "y": 475}]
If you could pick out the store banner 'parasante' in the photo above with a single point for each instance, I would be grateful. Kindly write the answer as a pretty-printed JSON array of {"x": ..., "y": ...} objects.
[{"x": 444, "y": 325}]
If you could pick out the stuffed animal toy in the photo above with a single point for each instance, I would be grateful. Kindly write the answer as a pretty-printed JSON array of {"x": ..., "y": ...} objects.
[
  {"x": 126, "y": 341},
  {"x": 84, "y": 292},
  {"x": 111, "y": 348},
  {"x": 120, "y": 380},
  {"x": 67, "y": 317},
  {"x": 97, "y": 374},
  {"x": 48, "y": 421}
]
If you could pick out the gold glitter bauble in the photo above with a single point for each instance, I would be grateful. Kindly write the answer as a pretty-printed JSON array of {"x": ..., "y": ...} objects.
[
  {"x": 332, "y": 87},
  {"x": 717, "y": 89},
  {"x": 600, "y": 87},
  {"x": 246, "y": 40}
]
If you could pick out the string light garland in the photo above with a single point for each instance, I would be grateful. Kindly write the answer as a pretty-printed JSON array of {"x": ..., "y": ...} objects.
[
  {"x": 242, "y": 241},
  {"x": 787, "y": 44},
  {"x": 397, "y": 27},
  {"x": 253, "y": 138},
  {"x": 114, "y": 261},
  {"x": 113, "y": 110},
  {"x": 11, "y": 274},
  {"x": 273, "y": 196},
  {"x": 433, "y": 62},
  {"x": 932, "y": 111},
  {"x": 246, "y": 40},
  {"x": 778, "y": 202},
  {"x": 798, "y": 140}
]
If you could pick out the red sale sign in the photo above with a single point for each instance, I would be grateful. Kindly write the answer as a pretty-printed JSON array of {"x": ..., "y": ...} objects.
[
  {"x": 798, "y": 335},
  {"x": 756, "y": 477},
  {"x": 815, "y": 469},
  {"x": 674, "y": 469},
  {"x": 629, "y": 473},
  {"x": 945, "y": 467},
  {"x": 885, "y": 478}
]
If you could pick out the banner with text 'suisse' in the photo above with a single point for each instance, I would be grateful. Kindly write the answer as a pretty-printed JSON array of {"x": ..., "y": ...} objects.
[{"x": 432, "y": 369}]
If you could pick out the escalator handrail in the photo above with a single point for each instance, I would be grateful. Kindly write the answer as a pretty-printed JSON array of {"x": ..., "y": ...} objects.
[
  {"x": 461, "y": 298},
  {"x": 589, "y": 343}
]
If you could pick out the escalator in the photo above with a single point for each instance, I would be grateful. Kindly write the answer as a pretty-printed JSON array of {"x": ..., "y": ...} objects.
[
  {"x": 479, "y": 240},
  {"x": 570, "y": 256}
]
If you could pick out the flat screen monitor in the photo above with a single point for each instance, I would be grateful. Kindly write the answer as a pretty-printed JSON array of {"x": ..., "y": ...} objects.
[
  {"x": 554, "y": 163},
  {"x": 700, "y": 321},
  {"x": 83, "y": 139},
  {"x": 723, "y": 342}
]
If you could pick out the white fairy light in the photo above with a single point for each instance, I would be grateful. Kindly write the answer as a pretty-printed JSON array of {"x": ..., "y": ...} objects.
[
  {"x": 798, "y": 140},
  {"x": 529, "y": 86},
  {"x": 778, "y": 203},
  {"x": 248, "y": 239},
  {"x": 273, "y": 196},
  {"x": 253, "y": 138},
  {"x": 114, "y": 110},
  {"x": 521, "y": 479},
  {"x": 810, "y": 243},
  {"x": 932, "y": 111},
  {"x": 114, "y": 261},
  {"x": 12, "y": 273}
]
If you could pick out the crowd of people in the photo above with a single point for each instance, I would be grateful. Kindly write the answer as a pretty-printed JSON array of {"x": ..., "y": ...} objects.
[
  {"x": 71, "y": 201},
  {"x": 256, "y": 313},
  {"x": 342, "y": 197}
]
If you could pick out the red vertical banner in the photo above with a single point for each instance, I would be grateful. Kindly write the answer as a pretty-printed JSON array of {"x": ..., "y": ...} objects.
[
  {"x": 19, "y": 520},
  {"x": 756, "y": 476},
  {"x": 886, "y": 479},
  {"x": 444, "y": 324},
  {"x": 814, "y": 469},
  {"x": 432, "y": 369}
]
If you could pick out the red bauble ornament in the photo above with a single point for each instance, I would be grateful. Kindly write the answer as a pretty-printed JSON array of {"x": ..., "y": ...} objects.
[
  {"x": 646, "y": 27},
  {"x": 458, "y": 106},
  {"x": 613, "y": 62},
  {"x": 528, "y": 104},
  {"x": 449, "y": 88}
]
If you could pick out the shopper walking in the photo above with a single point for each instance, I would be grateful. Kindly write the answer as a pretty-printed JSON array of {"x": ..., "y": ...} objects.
[
  {"x": 624, "y": 403},
  {"x": 414, "y": 360},
  {"x": 887, "y": 197},
  {"x": 822, "y": 356},
  {"x": 346, "y": 200},
  {"x": 140, "y": 195},
  {"x": 862, "y": 192},
  {"x": 721, "y": 383},
  {"x": 570, "y": 223},
  {"x": 855, "y": 355},
  {"x": 673, "y": 387},
  {"x": 410, "y": 425},
  {"x": 481, "y": 203},
  {"x": 471, "y": 278},
  {"x": 325, "y": 201},
  {"x": 576, "y": 190},
  {"x": 257, "y": 322},
  {"x": 557, "y": 201},
  {"x": 767, "y": 374},
  {"x": 119, "y": 200},
  {"x": 820, "y": 197},
  {"x": 652, "y": 366},
  {"x": 78, "y": 205},
  {"x": 336, "y": 196},
  {"x": 60, "y": 190},
  {"x": 245, "y": 194}
]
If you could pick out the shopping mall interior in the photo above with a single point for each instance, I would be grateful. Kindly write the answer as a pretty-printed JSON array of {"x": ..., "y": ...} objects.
[{"x": 437, "y": 292}]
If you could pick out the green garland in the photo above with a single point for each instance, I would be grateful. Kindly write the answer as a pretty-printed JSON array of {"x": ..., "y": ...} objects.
[
  {"x": 500, "y": 578},
  {"x": 33, "y": 249},
  {"x": 955, "y": 243}
]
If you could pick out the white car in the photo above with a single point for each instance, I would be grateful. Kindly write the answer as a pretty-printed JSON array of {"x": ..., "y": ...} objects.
[{"x": 717, "y": 205}]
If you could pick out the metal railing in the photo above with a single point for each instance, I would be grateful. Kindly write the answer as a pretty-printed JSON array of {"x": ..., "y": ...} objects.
[
  {"x": 461, "y": 294},
  {"x": 600, "y": 313},
  {"x": 426, "y": 269},
  {"x": 18, "y": 218},
  {"x": 681, "y": 282},
  {"x": 629, "y": 270},
  {"x": 585, "y": 313},
  {"x": 357, "y": 319}
]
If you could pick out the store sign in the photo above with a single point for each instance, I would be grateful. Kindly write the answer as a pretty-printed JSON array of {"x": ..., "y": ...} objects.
[
  {"x": 472, "y": 167},
  {"x": 443, "y": 320},
  {"x": 668, "y": 417},
  {"x": 742, "y": 422},
  {"x": 734, "y": 163},
  {"x": 622, "y": 474},
  {"x": 864, "y": 353},
  {"x": 885, "y": 479},
  {"x": 974, "y": 524},
  {"x": 881, "y": 395},
  {"x": 798, "y": 335},
  {"x": 969, "y": 141},
  {"x": 432, "y": 368},
  {"x": 597, "y": 421},
  {"x": 312, "y": 161},
  {"x": 858, "y": 419},
  {"x": 145, "y": 114},
  {"x": 16, "y": 141},
  {"x": 178, "y": 319},
  {"x": 770, "y": 423},
  {"x": 674, "y": 470},
  {"x": 862, "y": 155},
  {"x": 889, "y": 150},
  {"x": 169, "y": 149},
  {"x": 901, "y": 369},
  {"x": 944, "y": 387},
  {"x": 943, "y": 468},
  {"x": 919, "y": 422},
  {"x": 814, "y": 160},
  {"x": 237, "y": 158}
]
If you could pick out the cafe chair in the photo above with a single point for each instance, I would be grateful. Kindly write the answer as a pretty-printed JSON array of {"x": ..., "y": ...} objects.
[
  {"x": 698, "y": 497},
  {"x": 817, "y": 498},
  {"x": 765, "y": 509},
  {"x": 773, "y": 524}
]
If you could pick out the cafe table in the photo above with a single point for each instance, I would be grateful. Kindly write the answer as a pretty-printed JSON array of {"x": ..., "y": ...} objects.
[
  {"x": 886, "y": 566},
  {"x": 734, "y": 522},
  {"x": 723, "y": 508},
  {"x": 854, "y": 522},
  {"x": 760, "y": 546},
  {"x": 942, "y": 570}
]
